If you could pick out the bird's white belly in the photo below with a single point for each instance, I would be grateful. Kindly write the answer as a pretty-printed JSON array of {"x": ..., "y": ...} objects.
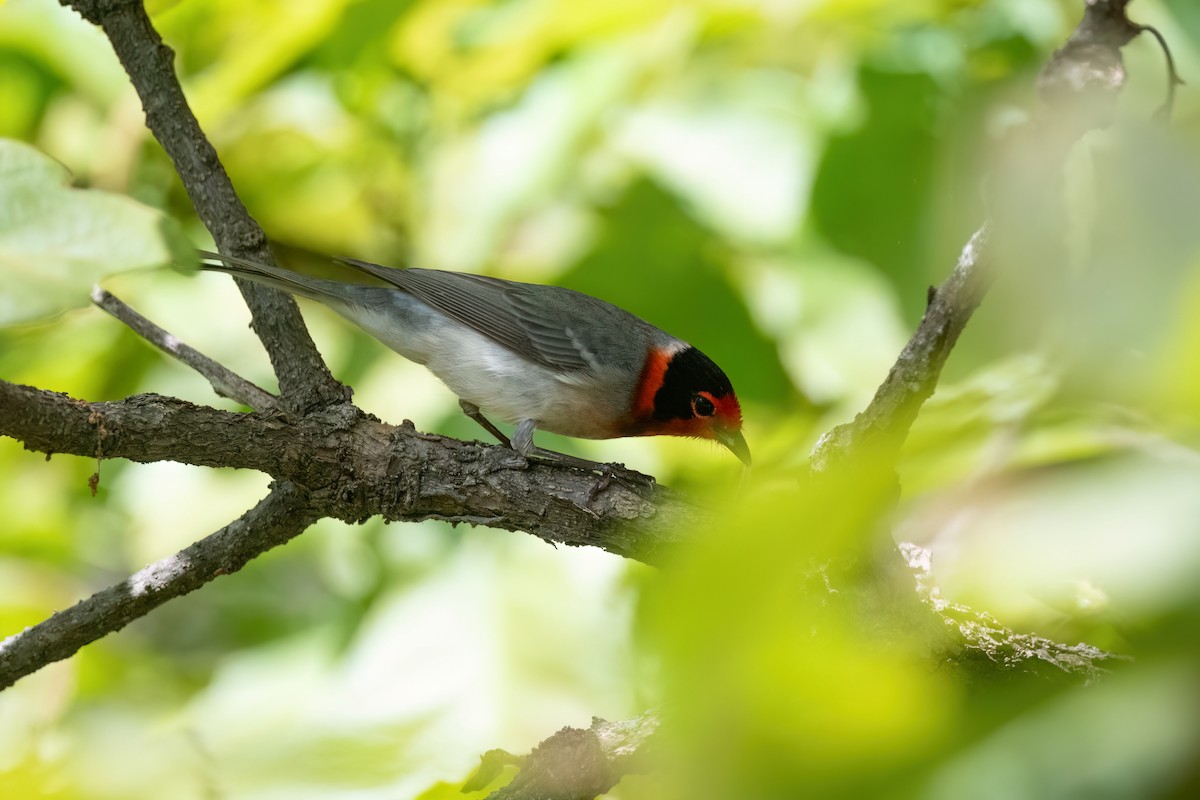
[
  {"x": 502, "y": 384},
  {"x": 512, "y": 389}
]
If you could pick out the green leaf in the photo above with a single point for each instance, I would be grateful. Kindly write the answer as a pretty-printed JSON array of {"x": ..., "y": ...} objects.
[{"x": 56, "y": 241}]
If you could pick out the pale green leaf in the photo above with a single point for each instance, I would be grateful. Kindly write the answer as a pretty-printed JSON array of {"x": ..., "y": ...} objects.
[{"x": 56, "y": 241}]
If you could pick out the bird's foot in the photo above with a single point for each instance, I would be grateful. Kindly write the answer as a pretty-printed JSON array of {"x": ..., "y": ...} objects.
[{"x": 606, "y": 477}]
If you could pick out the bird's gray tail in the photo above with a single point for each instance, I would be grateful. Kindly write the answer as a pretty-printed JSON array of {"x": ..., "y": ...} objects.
[{"x": 329, "y": 292}]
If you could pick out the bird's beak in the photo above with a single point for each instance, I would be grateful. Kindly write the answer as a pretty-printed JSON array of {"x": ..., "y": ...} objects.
[{"x": 736, "y": 443}]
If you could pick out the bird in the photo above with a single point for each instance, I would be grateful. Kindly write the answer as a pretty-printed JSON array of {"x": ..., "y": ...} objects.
[{"x": 536, "y": 356}]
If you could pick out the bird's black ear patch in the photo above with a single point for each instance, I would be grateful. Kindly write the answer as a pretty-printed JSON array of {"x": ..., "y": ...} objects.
[{"x": 688, "y": 372}]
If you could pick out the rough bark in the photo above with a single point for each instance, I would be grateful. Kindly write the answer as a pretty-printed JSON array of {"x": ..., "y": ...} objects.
[{"x": 348, "y": 466}]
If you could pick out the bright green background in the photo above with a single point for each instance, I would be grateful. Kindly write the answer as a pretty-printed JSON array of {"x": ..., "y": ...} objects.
[{"x": 777, "y": 182}]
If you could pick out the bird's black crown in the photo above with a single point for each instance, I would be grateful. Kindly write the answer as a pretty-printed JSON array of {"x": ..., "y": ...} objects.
[{"x": 688, "y": 372}]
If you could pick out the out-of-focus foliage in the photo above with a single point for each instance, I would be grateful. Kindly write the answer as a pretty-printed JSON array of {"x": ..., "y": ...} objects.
[
  {"x": 777, "y": 182},
  {"x": 54, "y": 240}
]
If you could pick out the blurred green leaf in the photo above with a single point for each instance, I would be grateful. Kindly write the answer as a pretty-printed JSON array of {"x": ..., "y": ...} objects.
[
  {"x": 254, "y": 42},
  {"x": 56, "y": 242},
  {"x": 1120, "y": 737},
  {"x": 792, "y": 668}
]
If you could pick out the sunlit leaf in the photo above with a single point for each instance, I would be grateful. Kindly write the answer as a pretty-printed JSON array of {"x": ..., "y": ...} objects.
[{"x": 56, "y": 242}]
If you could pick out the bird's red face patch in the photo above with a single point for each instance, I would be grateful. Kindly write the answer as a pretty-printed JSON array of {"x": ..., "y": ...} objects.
[
  {"x": 709, "y": 415},
  {"x": 650, "y": 381},
  {"x": 682, "y": 392},
  {"x": 728, "y": 412}
]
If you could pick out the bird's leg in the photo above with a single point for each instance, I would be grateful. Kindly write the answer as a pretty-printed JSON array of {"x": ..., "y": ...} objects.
[
  {"x": 472, "y": 411},
  {"x": 522, "y": 443},
  {"x": 522, "y": 438}
]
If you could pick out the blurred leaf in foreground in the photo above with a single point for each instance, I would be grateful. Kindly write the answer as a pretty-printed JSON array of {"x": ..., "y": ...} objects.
[
  {"x": 792, "y": 664},
  {"x": 55, "y": 241}
]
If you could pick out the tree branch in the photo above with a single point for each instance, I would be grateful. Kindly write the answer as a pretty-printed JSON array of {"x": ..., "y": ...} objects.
[
  {"x": 225, "y": 382},
  {"x": 304, "y": 380},
  {"x": 144, "y": 428},
  {"x": 1079, "y": 85},
  {"x": 885, "y": 422},
  {"x": 356, "y": 467},
  {"x": 282, "y": 515},
  {"x": 345, "y": 465}
]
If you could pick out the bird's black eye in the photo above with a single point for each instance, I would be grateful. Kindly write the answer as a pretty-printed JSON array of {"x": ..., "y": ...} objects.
[{"x": 702, "y": 406}]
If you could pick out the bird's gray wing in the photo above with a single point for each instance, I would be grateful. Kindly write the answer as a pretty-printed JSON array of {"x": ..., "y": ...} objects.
[{"x": 545, "y": 324}]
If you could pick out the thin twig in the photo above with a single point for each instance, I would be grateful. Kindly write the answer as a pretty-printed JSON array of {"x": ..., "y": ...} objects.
[
  {"x": 1173, "y": 78},
  {"x": 225, "y": 382}
]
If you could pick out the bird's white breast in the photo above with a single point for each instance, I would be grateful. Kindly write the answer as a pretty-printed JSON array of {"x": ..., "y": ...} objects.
[{"x": 501, "y": 383}]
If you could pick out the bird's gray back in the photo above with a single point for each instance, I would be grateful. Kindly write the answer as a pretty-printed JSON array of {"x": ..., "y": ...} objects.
[{"x": 554, "y": 327}]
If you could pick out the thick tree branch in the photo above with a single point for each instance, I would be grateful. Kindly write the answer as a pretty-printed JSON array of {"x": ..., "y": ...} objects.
[
  {"x": 304, "y": 380},
  {"x": 355, "y": 467},
  {"x": 225, "y": 382},
  {"x": 282, "y": 515},
  {"x": 345, "y": 465},
  {"x": 144, "y": 428}
]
